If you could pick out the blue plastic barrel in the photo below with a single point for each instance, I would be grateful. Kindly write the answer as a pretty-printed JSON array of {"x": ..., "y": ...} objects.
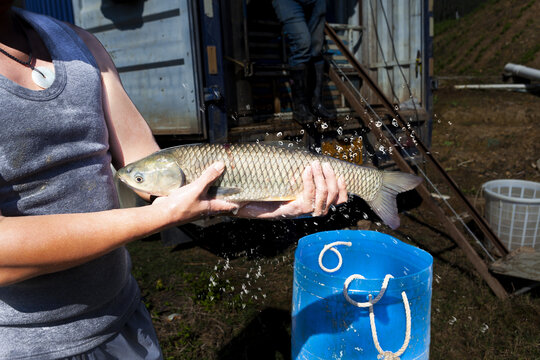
[{"x": 327, "y": 326}]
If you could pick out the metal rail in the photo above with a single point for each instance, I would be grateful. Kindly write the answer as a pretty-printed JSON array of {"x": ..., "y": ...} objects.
[
  {"x": 454, "y": 232},
  {"x": 488, "y": 232}
]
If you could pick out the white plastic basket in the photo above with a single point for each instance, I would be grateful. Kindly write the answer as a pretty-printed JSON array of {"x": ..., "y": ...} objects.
[{"x": 513, "y": 211}]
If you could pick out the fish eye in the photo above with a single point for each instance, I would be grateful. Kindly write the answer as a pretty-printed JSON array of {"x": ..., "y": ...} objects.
[{"x": 139, "y": 178}]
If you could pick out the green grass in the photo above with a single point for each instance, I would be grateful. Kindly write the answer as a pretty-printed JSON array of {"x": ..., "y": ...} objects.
[
  {"x": 526, "y": 7},
  {"x": 442, "y": 26},
  {"x": 505, "y": 28},
  {"x": 530, "y": 54},
  {"x": 208, "y": 327}
]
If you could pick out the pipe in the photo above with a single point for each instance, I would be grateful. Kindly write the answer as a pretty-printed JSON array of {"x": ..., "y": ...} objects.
[
  {"x": 499, "y": 86},
  {"x": 522, "y": 71}
]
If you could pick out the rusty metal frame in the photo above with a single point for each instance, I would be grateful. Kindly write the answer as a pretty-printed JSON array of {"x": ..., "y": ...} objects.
[{"x": 453, "y": 231}]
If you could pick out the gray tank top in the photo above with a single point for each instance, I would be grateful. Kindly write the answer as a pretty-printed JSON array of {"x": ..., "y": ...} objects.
[{"x": 54, "y": 158}]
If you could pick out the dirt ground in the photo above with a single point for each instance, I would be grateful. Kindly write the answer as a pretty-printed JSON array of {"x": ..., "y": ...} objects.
[
  {"x": 483, "y": 42},
  {"x": 228, "y": 294}
]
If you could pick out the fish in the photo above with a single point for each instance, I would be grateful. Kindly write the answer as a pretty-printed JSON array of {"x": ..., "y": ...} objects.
[{"x": 262, "y": 172}]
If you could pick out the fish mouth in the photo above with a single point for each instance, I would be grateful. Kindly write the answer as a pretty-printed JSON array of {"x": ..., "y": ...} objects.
[
  {"x": 118, "y": 176},
  {"x": 122, "y": 179}
]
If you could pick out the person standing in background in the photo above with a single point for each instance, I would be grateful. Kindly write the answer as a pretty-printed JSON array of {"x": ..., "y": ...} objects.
[{"x": 303, "y": 26}]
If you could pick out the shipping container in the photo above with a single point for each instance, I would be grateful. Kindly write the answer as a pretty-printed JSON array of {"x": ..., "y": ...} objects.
[{"x": 210, "y": 70}]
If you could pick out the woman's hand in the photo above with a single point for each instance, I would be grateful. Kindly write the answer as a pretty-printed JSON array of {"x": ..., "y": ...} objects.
[
  {"x": 191, "y": 201},
  {"x": 321, "y": 190}
]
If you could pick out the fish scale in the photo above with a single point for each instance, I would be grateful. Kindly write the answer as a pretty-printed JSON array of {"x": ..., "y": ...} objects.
[{"x": 259, "y": 172}]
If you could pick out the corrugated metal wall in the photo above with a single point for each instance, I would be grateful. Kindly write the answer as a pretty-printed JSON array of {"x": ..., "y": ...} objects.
[
  {"x": 155, "y": 50},
  {"x": 392, "y": 47},
  {"x": 391, "y": 44},
  {"x": 59, "y": 9}
]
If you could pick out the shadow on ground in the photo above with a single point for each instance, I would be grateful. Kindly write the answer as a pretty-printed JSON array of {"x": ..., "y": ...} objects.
[
  {"x": 264, "y": 238},
  {"x": 267, "y": 336}
]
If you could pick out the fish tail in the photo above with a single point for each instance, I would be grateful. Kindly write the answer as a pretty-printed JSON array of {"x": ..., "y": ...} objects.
[{"x": 384, "y": 204}]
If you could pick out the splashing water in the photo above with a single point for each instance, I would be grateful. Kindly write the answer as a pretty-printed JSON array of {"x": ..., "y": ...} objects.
[{"x": 484, "y": 328}]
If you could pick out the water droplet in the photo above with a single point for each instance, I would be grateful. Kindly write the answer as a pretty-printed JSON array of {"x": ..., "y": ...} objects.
[
  {"x": 378, "y": 124},
  {"x": 302, "y": 132},
  {"x": 484, "y": 328},
  {"x": 279, "y": 134},
  {"x": 395, "y": 123},
  {"x": 340, "y": 131},
  {"x": 324, "y": 126}
]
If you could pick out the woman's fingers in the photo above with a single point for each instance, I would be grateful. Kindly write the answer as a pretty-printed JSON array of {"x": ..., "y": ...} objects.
[
  {"x": 309, "y": 190},
  {"x": 321, "y": 189},
  {"x": 342, "y": 191},
  {"x": 331, "y": 185},
  {"x": 209, "y": 175},
  {"x": 192, "y": 201},
  {"x": 207, "y": 178}
]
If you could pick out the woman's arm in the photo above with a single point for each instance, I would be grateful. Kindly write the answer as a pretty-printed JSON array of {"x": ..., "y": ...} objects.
[
  {"x": 36, "y": 245},
  {"x": 127, "y": 128},
  {"x": 130, "y": 137}
]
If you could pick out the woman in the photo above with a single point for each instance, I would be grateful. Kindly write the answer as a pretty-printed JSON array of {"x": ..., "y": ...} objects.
[{"x": 65, "y": 285}]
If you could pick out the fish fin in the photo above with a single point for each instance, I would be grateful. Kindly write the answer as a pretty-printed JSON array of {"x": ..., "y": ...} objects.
[
  {"x": 384, "y": 204},
  {"x": 280, "y": 198},
  {"x": 219, "y": 191}
]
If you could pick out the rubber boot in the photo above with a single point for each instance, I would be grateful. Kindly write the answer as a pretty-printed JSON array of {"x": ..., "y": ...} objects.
[
  {"x": 301, "y": 111},
  {"x": 317, "y": 106}
]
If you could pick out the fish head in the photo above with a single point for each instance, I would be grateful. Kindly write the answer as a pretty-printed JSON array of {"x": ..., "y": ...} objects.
[{"x": 157, "y": 174}]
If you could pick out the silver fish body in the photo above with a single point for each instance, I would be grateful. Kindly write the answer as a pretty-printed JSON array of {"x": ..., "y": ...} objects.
[{"x": 257, "y": 172}]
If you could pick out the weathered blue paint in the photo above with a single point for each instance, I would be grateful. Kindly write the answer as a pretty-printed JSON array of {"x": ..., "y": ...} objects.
[
  {"x": 59, "y": 9},
  {"x": 214, "y": 81},
  {"x": 154, "y": 45}
]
